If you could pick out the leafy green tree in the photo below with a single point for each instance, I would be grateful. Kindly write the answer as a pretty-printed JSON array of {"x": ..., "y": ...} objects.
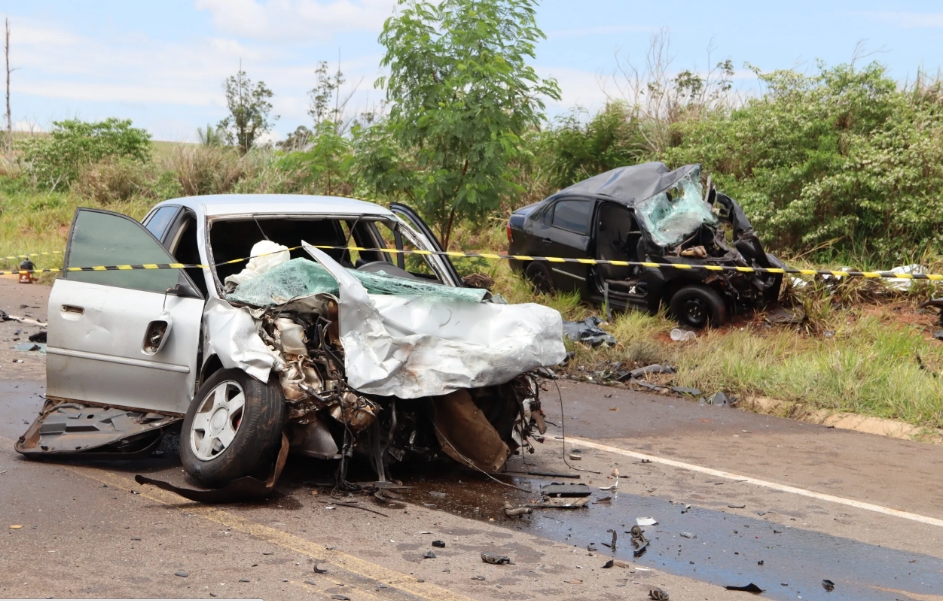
[
  {"x": 325, "y": 162},
  {"x": 577, "y": 148},
  {"x": 55, "y": 161},
  {"x": 462, "y": 94},
  {"x": 383, "y": 168},
  {"x": 249, "y": 111},
  {"x": 297, "y": 139}
]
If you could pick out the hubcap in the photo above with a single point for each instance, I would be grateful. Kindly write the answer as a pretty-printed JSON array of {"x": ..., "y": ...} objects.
[
  {"x": 217, "y": 420},
  {"x": 696, "y": 313}
]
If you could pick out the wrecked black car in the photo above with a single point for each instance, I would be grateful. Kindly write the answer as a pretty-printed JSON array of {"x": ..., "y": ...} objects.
[
  {"x": 646, "y": 213},
  {"x": 327, "y": 349}
]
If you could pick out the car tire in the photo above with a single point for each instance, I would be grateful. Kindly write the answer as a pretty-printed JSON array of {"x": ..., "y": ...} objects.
[
  {"x": 698, "y": 307},
  {"x": 540, "y": 276},
  {"x": 232, "y": 429}
]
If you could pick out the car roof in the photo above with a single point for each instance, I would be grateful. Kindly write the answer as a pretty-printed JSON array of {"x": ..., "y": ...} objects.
[
  {"x": 267, "y": 204},
  {"x": 628, "y": 185}
]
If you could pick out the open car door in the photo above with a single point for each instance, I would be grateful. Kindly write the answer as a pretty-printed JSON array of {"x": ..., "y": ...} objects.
[
  {"x": 415, "y": 221},
  {"x": 124, "y": 338}
]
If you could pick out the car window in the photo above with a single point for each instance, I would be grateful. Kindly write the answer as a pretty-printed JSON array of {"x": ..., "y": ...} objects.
[
  {"x": 233, "y": 239},
  {"x": 413, "y": 263},
  {"x": 99, "y": 238},
  {"x": 573, "y": 215},
  {"x": 159, "y": 221}
]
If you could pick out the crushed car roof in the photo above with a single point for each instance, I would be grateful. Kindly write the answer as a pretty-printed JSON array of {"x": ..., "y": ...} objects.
[
  {"x": 631, "y": 184},
  {"x": 296, "y": 204}
]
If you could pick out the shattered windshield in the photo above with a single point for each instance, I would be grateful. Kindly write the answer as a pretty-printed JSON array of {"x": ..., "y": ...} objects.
[{"x": 676, "y": 213}]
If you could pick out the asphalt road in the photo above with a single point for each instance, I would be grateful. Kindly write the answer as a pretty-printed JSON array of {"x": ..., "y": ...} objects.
[{"x": 739, "y": 498}]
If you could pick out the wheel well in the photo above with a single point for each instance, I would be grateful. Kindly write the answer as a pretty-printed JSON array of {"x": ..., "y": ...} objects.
[{"x": 211, "y": 366}]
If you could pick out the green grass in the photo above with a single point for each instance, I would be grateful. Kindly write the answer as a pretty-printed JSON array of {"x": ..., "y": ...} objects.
[
  {"x": 869, "y": 366},
  {"x": 32, "y": 222}
]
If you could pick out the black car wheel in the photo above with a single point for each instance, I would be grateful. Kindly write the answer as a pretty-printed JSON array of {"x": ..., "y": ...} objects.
[
  {"x": 697, "y": 307},
  {"x": 540, "y": 276},
  {"x": 232, "y": 429}
]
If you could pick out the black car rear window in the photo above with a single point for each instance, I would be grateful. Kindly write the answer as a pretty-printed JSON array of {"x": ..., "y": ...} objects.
[{"x": 573, "y": 215}]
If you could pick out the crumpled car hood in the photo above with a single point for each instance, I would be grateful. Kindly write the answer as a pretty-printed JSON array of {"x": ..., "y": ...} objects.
[{"x": 408, "y": 346}]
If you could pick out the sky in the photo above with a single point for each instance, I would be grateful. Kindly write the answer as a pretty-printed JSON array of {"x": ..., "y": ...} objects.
[{"x": 162, "y": 63}]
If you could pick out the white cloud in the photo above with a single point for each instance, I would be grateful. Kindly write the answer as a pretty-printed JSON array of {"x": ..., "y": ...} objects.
[
  {"x": 905, "y": 20},
  {"x": 166, "y": 79},
  {"x": 585, "y": 89},
  {"x": 28, "y": 126},
  {"x": 304, "y": 20}
]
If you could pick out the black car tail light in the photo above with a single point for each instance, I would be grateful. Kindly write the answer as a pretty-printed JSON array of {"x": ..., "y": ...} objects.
[{"x": 509, "y": 232}]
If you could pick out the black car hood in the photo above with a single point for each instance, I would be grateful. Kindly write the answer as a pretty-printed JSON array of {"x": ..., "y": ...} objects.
[{"x": 628, "y": 185}]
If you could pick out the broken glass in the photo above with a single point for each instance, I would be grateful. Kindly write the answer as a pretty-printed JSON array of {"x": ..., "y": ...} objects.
[
  {"x": 301, "y": 277},
  {"x": 674, "y": 214}
]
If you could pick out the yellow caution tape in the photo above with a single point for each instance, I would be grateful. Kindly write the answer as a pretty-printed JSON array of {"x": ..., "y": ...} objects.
[{"x": 501, "y": 256}]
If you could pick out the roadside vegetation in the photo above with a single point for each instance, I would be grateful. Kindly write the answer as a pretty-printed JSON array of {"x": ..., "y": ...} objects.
[{"x": 835, "y": 166}]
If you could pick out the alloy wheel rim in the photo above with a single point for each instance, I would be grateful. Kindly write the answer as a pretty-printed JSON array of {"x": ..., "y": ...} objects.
[{"x": 217, "y": 420}]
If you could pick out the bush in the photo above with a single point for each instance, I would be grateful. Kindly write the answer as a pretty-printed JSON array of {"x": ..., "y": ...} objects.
[
  {"x": 205, "y": 169},
  {"x": 111, "y": 181},
  {"x": 53, "y": 162},
  {"x": 845, "y": 159}
]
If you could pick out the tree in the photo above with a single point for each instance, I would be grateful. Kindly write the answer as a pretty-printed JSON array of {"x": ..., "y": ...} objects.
[
  {"x": 461, "y": 95},
  {"x": 6, "y": 54},
  {"x": 249, "y": 110},
  {"x": 210, "y": 136},
  {"x": 297, "y": 139}
]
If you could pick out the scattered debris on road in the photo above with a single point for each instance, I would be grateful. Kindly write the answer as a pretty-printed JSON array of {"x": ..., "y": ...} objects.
[
  {"x": 511, "y": 511},
  {"x": 750, "y": 588},
  {"x": 566, "y": 490},
  {"x": 495, "y": 559},
  {"x": 657, "y": 594},
  {"x": 828, "y": 585},
  {"x": 588, "y": 332}
]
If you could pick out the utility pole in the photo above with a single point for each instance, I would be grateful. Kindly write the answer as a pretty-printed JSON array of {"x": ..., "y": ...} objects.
[{"x": 6, "y": 51}]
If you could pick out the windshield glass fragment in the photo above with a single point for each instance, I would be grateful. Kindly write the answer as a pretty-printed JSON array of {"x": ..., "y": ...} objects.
[{"x": 676, "y": 213}]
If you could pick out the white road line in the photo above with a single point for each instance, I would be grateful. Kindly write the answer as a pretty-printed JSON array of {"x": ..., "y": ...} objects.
[{"x": 764, "y": 483}]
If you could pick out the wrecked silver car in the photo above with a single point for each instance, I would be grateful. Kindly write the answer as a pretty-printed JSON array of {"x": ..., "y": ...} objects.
[{"x": 313, "y": 346}]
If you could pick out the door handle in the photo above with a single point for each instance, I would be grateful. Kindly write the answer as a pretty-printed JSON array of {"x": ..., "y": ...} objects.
[
  {"x": 547, "y": 241},
  {"x": 72, "y": 309}
]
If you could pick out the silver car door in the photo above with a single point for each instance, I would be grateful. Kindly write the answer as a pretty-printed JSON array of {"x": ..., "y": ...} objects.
[{"x": 104, "y": 342}]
